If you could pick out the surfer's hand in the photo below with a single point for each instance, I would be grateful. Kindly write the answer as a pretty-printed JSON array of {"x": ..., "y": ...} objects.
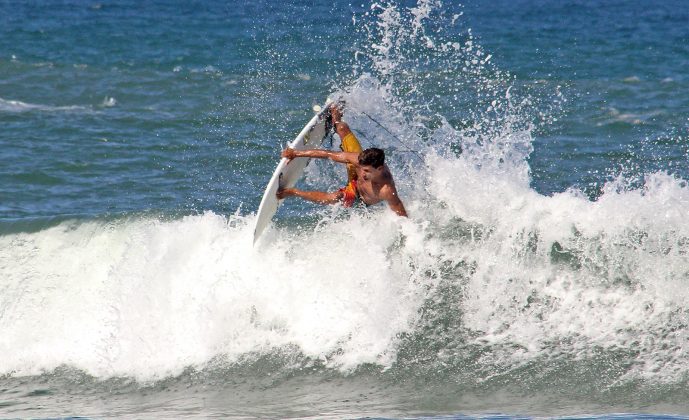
[
  {"x": 283, "y": 192},
  {"x": 289, "y": 154}
]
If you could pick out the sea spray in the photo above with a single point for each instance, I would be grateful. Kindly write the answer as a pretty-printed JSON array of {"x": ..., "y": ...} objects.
[{"x": 551, "y": 276}]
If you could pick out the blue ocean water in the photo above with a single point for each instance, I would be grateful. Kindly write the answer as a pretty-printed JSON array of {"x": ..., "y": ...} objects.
[{"x": 540, "y": 148}]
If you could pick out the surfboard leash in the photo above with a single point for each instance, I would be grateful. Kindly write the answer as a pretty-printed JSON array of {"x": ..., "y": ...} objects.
[{"x": 409, "y": 149}]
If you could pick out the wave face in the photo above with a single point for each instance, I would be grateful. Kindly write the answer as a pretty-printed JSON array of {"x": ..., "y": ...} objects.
[
  {"x": 523, "y": 277},
  {"x": 146, "y": 298},
  {"x": 489, "y": 286}
]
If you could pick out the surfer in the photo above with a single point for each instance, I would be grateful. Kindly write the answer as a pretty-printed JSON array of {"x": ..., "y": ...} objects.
[{"x": 370, "y": 179}]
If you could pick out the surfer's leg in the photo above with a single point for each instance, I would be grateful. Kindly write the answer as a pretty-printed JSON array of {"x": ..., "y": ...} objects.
[
  {"x": 319, "y": 197},
  {"x": 349, "y": 144}
]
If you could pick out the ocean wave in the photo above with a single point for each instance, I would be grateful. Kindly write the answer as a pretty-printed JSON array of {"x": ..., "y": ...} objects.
[
  {"x": 13, "y": 106},
  {"x": 155, "y": 297},
  {"x": 614, "y": 116},
  {"x": 488, "y": 281},
  {"x": 482, "y": 265},
  {"x": 109, "y": 102},
  {"x": 209, "y": 69}
]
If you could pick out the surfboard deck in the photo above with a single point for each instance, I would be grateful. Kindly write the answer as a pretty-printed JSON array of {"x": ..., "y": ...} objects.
[{"x": 287, "y": 172}]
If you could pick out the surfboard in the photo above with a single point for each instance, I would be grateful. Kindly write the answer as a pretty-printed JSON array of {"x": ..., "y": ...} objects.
[{"x": 287, "y": 172}]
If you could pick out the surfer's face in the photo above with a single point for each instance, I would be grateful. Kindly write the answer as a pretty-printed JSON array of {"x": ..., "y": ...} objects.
[{"x": 368, "y": 172}]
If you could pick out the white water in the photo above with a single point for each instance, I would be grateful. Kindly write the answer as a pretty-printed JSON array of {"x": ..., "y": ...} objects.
[{"x": 147, "y": 298}]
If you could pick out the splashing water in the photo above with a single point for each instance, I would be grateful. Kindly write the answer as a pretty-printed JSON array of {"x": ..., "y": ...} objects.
[{"x": 524, "y": 277}]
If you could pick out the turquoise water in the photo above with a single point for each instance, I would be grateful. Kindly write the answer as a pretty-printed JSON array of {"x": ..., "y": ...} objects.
[{"x": 540, "y": 148}]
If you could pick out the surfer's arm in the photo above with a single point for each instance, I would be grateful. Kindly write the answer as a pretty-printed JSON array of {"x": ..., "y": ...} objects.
[
  {"x": 389, "y": 194},
  {"x": 341, "y": 157}
]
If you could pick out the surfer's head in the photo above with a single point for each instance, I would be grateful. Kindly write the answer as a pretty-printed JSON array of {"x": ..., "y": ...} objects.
[
  {"x": 371, "y": 162},
  {"x": 372, "y": 157}
]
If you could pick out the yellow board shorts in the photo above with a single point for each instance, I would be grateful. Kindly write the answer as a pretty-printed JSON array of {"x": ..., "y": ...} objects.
[{"x": 350, "y": 144}]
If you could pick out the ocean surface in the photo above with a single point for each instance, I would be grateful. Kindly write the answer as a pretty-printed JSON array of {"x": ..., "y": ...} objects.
[{"x": 541, "y": 149}]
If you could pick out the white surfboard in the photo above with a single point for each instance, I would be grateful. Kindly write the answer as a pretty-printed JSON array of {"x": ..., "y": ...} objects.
[{"x": 287, "y": 172}]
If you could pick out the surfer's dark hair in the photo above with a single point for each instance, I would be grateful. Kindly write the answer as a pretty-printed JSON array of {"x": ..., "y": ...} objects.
[{"x": 372, "y": 157}]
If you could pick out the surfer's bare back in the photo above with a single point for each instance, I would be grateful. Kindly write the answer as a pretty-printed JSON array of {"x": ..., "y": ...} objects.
[{"x": 370, "y": 179}]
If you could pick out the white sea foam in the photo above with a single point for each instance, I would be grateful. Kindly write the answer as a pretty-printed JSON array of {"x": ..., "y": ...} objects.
[
  {"x": 208, "y": 70},
  {"x": 615, "y": 116},
  {"x": 109, "y": 102},
  {"x": 623, "y": 282},
  {"x": 7, "y": 105},
  {"x": 147, "y": 298}
]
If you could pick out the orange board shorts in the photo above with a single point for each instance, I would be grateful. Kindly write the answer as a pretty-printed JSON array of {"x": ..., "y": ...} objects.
[{"x": 350, "y": 194}]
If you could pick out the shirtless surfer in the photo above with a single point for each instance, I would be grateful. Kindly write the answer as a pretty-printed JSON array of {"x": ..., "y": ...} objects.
[{"x": 370, "y": 179}]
